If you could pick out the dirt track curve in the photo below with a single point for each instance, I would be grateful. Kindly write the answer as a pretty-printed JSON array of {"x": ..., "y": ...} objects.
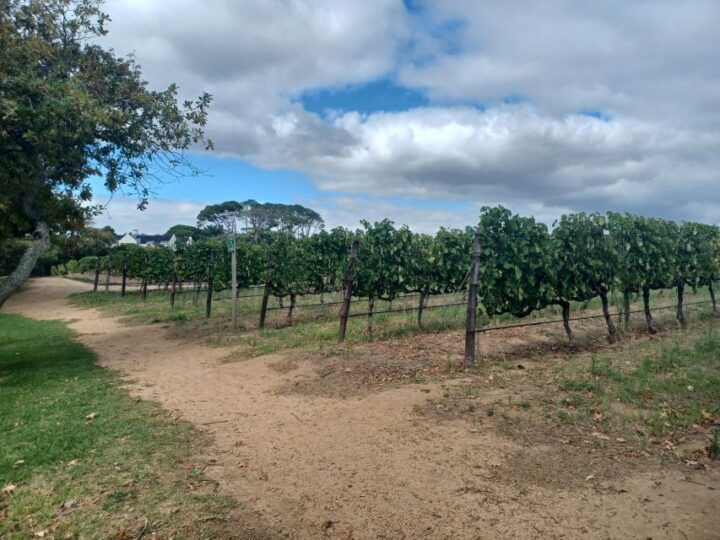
[{"x": 364, "y": 467}]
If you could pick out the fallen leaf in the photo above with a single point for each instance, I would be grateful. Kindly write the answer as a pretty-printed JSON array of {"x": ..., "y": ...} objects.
[
  {"x": 91, "y": 416},
  {"x": 73, "y": 462},
  {"x": 9, "y": 489},
  {"x": 18, "y": 463},
  {"x": 620, "y": 440},
  {"x": 600, "y": 436},
  {"x": 41, "y": 534},
  {"x": 589, "y": 477}
]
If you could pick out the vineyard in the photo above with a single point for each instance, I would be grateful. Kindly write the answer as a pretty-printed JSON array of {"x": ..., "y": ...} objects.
[{"x": 508, "y": 266}]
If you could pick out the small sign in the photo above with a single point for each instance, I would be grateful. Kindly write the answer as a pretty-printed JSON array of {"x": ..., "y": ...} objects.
[{"x": 231, "y": 242}]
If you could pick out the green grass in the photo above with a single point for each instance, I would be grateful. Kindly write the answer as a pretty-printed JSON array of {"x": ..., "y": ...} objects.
[
  {"x": 314, "y": 327},
  {"x": 664, "y": 385},
  {"x": 98, "y": 476}
]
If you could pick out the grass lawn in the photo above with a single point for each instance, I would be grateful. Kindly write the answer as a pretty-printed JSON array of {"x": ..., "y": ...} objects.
[
  {"x": 658, "y": 396},
  {"x": 665, "y": 385},
  {"x": 80, "y": 458},
  {"x": 316, "y": 327}
]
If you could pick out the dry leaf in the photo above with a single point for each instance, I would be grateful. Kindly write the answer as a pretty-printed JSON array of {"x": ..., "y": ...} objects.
[
  {"x": 9, "y": 489},
  {"x": 73, "y": 462},
  {"x": 18, "y": 463},
  {"x": 72, "y": 503},
  {"x": 620, "y": 440},
  {"x": 600, "y": 436},
  {"x": 589, "y": 477},
  {"x": 41, "y": 534},
  {"x": 91, "y": 416}
]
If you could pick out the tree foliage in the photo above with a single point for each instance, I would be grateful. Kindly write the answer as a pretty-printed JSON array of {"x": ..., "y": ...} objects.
[
  {"x": 72, "y": 110},
  {"x": 516, "y": 265},
  {"x": 223, "y": 215},
  {"x": 523, "y": 267}
]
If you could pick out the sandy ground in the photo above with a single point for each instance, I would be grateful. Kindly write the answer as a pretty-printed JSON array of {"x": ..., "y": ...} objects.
[{"x": 367, "y": 466}]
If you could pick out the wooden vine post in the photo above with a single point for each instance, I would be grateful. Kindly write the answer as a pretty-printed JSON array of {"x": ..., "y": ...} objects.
[
  {"x": 97, "y": 277},
  {"x": 232, "y": 247},
  {"x": 471, "y": 319},
  {"x": 680, "y": 295},
  {"x": 143, "y": 286},
  {"x": 124, "y": 275},
  {"x": 174, "y": 283},
  {"x": 107, "y": 275},
  {"x": 266, "y": 291},
  {"x": 210, "y": 274},
  {"x": 347, "y": 291}
]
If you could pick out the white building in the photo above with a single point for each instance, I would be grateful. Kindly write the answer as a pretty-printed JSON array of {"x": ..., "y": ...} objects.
[
  {"x": 146, "y": 240},
  {"x": 128, "y": 239}
]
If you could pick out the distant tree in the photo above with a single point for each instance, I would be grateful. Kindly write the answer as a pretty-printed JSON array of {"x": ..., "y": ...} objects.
[
  {"x": 294, "y": 219},
  {"x": 72, "y": 110},
  {"x": 108, "y": 229},
  {"x": 185, "y": 231},
  {"x": 258, "y": 218},
  {"x": 223, "y": 215},
  {"x": 298, "y": 220},
  {"x": 84, "y": 242}
]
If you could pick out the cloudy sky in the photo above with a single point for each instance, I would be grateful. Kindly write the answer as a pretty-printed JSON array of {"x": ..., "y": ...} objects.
[{"x": 425, "y": 111}]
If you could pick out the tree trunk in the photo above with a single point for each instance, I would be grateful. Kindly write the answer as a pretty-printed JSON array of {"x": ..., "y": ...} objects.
[
  {"x": 680, "y": 314},
  {"x": 612, "y": 332},
  {"x": 566, "y": 319},
  {"x": 618, "y": 305},
  {"x": 198, "y": 286},
  {"x": 107, "y": 276},
  {"x": 648, "y": 315},
  {"x": 423, "y": 302},
  {"x": 626, "y": 311},
  {"x": 371, "y": 306},
  {"x": 14, "y": 281},
  {"x": 712, "y": 297},
  {"x": 280, "y": 302},
  {"x": 290, "y": 309}
]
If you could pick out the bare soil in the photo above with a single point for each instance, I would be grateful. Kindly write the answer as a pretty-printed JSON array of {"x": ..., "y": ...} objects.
[{"x": 318, "y": 447}]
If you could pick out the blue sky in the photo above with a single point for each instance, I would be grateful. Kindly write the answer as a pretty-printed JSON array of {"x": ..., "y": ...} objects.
[
  {"x": 425, "y": 111},
  {"x": 383, "y": 95},
  {"x": 228, "y": 178}
]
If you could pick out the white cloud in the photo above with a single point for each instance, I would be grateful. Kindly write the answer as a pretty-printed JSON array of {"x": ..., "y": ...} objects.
[
  {"x": 646, "y": 58},
  {"x": 511, "y": 154},
  {"x": 651, "y": 66},
  {"x": 122, "y": 214}
]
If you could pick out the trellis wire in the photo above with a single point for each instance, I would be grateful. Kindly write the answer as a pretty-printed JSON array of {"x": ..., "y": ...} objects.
[
  {"x": 405, "y": 309},
  {"x": 583, "y": 318}
]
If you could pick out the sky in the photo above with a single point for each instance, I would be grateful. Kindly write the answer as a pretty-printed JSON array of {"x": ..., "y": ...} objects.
[{"x": 425, "y": 111}]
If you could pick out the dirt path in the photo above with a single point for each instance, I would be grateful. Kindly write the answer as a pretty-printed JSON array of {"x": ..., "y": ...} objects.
[{"x": 367, "y": 467}]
